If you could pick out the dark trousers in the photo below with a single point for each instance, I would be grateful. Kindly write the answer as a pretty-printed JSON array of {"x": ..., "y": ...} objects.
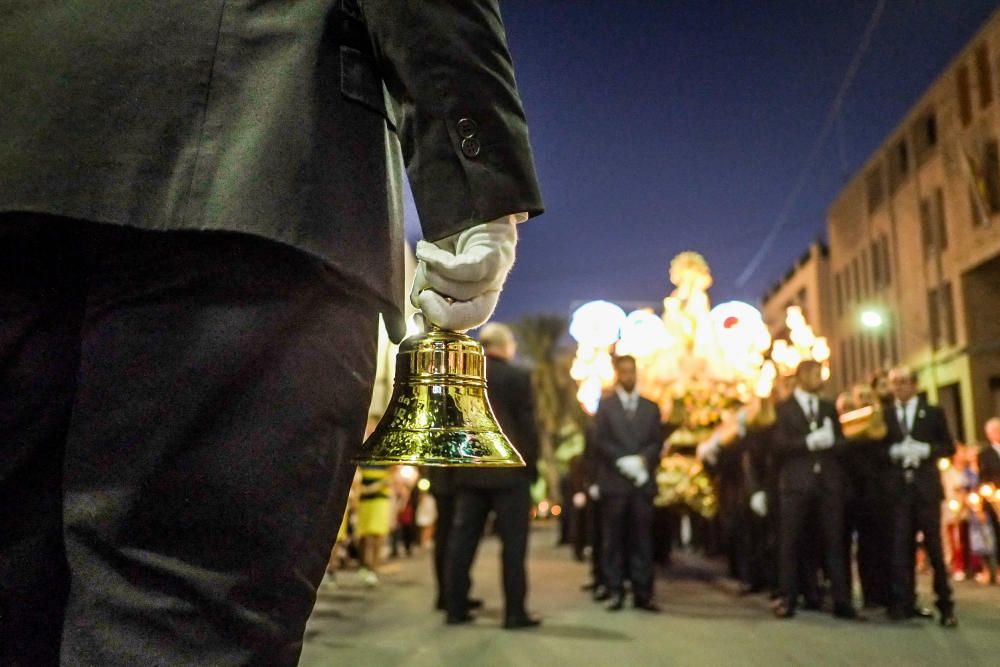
[
  {"x": 868, "y": 520},
  {"x": 796, "y": 507},
  {"x": 627, "y": 526},
  {"x": 442, "y": 537},
  {"x": 178, "y": 411},
  {"x": 912, "y": 513},
  {"x": 596, "y": 542},
  {"x": 512, "y": 507}
]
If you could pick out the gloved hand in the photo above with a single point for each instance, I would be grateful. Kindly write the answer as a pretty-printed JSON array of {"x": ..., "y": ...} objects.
[
  {"x": 708, "y": 451},
  {"x": 758, "y": 503},
  {"x": 594, "y": 492},
  {"x": 821, "y": 438},
  {"x": 896, "y": 451},
  {"x": 631, "y": 466},
  {"x": 912, "y": 452},
  {"x": 458, "y": 279},
  {"x": 579, "y": 499},
  {"x": 641, "y": 478}
]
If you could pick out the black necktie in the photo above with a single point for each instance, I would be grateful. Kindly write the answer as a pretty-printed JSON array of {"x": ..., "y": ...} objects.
[
  {"x": 812, "y": 412},
  {"x": 903, "y": 422}
]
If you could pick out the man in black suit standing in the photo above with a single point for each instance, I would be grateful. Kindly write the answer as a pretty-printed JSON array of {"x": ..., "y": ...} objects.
[
  {"x": 627, "y": 443},
  {"x": 811, "y": 479},
  {"x": 989, "y": 472},
  {"x": 917, "y": 438},
  {"x": 507, "y": 493},
  {"x": 200, "y": 222}
]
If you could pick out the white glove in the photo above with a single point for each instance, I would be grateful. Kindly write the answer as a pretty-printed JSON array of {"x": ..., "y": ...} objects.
[
  {"x": 594, "y": 492},
  {"x": 579, "y": 499},
  {"x": 758, "y": 503},
  {"x": 896, "y": 451},
  {"x": 458, "y": 279},
  {"x": 821, "y": 438},
  {"x": 912, "y": 452},
  {"x": 708, "y": 451},
  {"x": 641, "y": 478},
  {"x": 631, "y": 466}
]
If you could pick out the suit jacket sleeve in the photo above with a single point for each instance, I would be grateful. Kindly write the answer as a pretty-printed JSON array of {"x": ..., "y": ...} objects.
[
  {"x": 527, "y": 421},
  {"x": 654, "y": 440},
  {"x": 604, "y": 441},
  {"x": 942, "y": 444},
  {"x": 444, "y": 64}
]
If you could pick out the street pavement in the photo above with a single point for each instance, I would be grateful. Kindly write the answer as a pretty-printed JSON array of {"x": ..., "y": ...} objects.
[{"x": 704, "y": 622}]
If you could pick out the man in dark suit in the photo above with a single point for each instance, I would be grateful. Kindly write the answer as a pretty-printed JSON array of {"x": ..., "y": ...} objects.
[
  {"x": 917, "y": 437},
  {"x": 989, "y": 472},
  {"x": 627, "y": 443},
  {"x": 200, "y": 221},
  {"x": 507, "y": 493},
  {"x": 807, "y": 442}
]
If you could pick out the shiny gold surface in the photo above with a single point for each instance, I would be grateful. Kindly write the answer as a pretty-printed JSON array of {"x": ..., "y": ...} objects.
[
  {"x": 865, "y": 423},
  {"x": 439, "y": 413}
]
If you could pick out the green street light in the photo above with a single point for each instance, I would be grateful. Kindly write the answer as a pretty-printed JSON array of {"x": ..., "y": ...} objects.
[{"x": 871, "y": 319}]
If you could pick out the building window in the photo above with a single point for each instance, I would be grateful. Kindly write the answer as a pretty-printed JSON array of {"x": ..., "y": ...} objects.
[
  {"x": 964, "y": 95},
  {"x": 933, "y": 228},
  {"x": 941, "y": 316},
  {"x": 838, "y": 289},
  {"x": 863, "y": 270},
  {"x": 886, "y": 263},
  {"x": 876, "y": 193},
  {"x": 924, "y": 134},
  {"x": 899, "y": 163},
  {"x": 876, "y": 256},
  {"x": 991, "y": 176},
  {"x": 983, "y": 77}
]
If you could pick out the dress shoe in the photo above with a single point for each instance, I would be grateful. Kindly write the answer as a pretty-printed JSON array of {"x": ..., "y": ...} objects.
[
  {"x": 521, "y": 621},
  {"x": 471, "y": 603},
  {"x": 948, "y": 620},
  {"x": 459, "y": 620},
  {"x": 615, "y": 603},
  {"x": 920, "y": 612},
  {"x": 648, "y": 605},
  {"x": 848, "y": 613},
  {"x": 601, "y": 593},
  {"x": 781, "y": 609}
]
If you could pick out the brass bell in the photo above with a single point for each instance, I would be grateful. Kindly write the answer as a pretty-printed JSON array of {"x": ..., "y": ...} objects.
[{"x": 439, "y": 414}]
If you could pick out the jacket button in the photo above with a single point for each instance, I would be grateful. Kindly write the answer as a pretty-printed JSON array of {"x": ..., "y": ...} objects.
[
  {"x": 470, "y": 147},
  {"x": 467, "y": 128}
]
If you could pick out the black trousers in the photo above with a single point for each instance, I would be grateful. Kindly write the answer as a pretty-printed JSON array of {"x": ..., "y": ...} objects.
[
  {"x": 178, "y": 411},
  {"x": 442, "y": 538},
  {"x": 868, "y": 518},
  {"x": 627, "y": 526},
  {"x": 796, "y": 508},
  {"x": 911, "y": 513},
  {"x": 512, "y": 507}
]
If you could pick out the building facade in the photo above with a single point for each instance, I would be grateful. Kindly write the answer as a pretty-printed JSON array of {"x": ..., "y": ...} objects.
[
  {"x": 806, "y": 285},
  {"x": 914, "y": 246}
]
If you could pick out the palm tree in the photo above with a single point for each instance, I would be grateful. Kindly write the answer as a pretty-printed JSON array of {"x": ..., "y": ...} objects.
[{"x": 559, "y": 414}]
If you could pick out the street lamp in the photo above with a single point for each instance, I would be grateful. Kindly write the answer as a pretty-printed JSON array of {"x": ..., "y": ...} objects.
[{"x": 871, "y": 319}]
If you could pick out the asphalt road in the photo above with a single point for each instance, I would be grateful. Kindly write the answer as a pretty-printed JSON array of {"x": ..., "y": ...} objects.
[{"x": 703, "y": 622}]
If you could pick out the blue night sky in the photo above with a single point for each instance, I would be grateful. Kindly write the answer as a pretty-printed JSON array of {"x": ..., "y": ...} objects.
[{"x": 662, "y": 126}]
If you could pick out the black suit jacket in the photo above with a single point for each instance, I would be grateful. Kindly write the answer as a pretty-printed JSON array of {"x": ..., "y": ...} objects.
[
  {"x": 796, "y": 464},
  {"x": 616, "y": 435},
  {"x": 512, "y": 399},
  {"x": 989, "y": 466},
  {"x": 267, "y": 118},
  {"x": 930, "y": 426}
]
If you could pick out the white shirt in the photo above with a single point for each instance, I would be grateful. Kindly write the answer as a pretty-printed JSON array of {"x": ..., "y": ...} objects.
[
  {"x": 809, "y": 404},
  {"x": 630, "y": 401},
  {"x": 905, "y": 413}
]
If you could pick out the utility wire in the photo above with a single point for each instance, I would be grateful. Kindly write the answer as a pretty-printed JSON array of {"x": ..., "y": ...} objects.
[{"x": 828, "y": 125}]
